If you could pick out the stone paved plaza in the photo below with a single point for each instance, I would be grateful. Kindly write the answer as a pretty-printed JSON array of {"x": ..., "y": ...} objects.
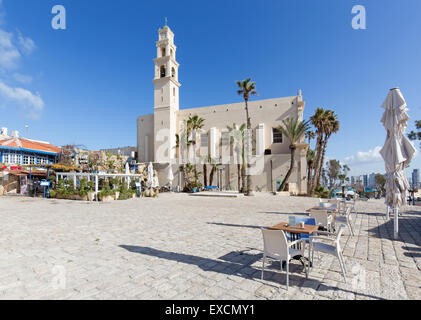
[{"x": 182, "y": 247}]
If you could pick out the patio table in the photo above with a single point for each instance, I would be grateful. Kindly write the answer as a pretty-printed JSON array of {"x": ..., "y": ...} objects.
[
  {"x": 295, "y": 232},
  {"x": 329, "y": 210}
]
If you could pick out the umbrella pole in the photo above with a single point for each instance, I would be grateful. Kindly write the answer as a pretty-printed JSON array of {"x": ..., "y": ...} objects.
[
  {"x": 396, "y": 222},
  {"x": 387, "y": 213}
]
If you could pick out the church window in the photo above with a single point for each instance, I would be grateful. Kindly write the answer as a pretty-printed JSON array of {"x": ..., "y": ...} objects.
[
  {"x": 173, "y": 92},
  {"x": 163, "y": 53},
  {"x": 225, "y": 138},
  {"x": 204, "y": 140},
  {"x": 172, "y": 53},
  {"x": 162, "y": 71},
  {"x": 277, "y": 135},
  {"x": 173, "y": 72}
]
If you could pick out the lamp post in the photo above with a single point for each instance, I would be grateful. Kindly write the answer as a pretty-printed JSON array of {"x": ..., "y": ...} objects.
[{"x": 343, "y": 191}]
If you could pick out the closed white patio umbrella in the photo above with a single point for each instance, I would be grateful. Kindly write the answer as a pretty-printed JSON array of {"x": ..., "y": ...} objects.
[
  {"x": 397, "y": 153},
  {"x": 150, "y": 175}
]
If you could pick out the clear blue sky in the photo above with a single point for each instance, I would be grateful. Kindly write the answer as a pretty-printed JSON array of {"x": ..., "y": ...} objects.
[{"x": 87, "y": 84}]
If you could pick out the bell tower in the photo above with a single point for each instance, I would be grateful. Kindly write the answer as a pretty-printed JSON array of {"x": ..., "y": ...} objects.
[{"x": 166, "y": 96}]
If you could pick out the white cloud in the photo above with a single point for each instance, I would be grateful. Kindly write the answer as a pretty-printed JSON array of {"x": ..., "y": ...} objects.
[
  {"x": 364, "y": 157},
  {"x": 27, "y": 45},
  {"x": 9, "y": 54},
  {"x": 31, "y": 102},
  {"x": 24, "y": 79},
  {"x": 370, "y": 157},
  {"x": 12, "y": 47}
]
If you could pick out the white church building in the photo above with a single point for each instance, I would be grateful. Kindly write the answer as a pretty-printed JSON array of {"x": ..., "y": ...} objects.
[{"x": 156, "y": 133}]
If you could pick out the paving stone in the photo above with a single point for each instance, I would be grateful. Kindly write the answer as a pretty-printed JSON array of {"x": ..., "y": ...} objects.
[{"x": 211, "y": 249}]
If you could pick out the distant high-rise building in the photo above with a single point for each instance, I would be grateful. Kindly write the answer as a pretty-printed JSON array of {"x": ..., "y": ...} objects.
[
  {"x": 357, "y": 180},
  {"x": 372, "y": 180},
  {"x": 365, "y": 180},
  {"x": 416, "y": 178}
]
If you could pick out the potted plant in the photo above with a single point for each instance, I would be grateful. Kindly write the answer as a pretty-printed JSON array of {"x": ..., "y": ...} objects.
[
  {"x": 53, "y": 194},
  {"x": 106, "y": 194},
  {"x": 91, "y": 191}
]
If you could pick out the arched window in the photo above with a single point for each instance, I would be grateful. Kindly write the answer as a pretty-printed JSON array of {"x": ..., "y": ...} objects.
[
  {"x": 172, "y": 53},
  {"x": 173, "y": 92},
  {"x": 163, "y": 53},
  {"x": 162, "y": 71},
  {"x": 173, "y": 72}
]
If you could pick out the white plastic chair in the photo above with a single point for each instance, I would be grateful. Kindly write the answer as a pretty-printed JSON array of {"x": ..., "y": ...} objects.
[
  {"x": 277, "y": 247},
  {"x": 323, "y": 219},
  {"x": 346, "y": 219},
  {"x": 332, "y": 249}
]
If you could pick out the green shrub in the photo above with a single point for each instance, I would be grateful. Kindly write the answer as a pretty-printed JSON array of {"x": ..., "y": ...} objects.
[
  {"x": 106, "y": 191},
  {"x": 83, "y": 188},
  {"x": 321, "y": 192}
]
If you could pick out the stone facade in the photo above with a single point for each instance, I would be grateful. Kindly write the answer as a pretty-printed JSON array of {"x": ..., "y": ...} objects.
[{"x": 156, "y": 133}]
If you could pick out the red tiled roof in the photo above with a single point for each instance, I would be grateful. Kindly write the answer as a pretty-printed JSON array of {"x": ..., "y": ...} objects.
[{"x": 20, "y": 143}]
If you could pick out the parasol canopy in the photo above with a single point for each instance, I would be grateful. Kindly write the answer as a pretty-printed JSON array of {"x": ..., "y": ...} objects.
[
  {"x": 170, "y": 176},
  {"x": 397, "y": 151},
  {"x": 150, "y": 175}
]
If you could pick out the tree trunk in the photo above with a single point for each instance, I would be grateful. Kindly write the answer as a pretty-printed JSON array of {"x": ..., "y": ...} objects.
[
  {"x": 205, "y": 175},
  {"x": 316, "y": 166},
  {"x": 243, "y": 178},
  {"x": 291, "y": 167},
  {"x": 323, "y": 152},
  {"x": 249, "y": 191},
  {"x": 211, "y": 175},
  {"x": 309, "y": 169},
  {"x": 239, "y": 176}
]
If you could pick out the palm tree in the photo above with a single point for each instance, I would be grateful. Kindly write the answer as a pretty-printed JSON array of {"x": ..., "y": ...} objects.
[
  {"x": 310, "y": 166},
  {"x": 294, "y": 130},
  {"x": 319, "y": 121},
  {"x": 310, "y": 135},
  {"x": 177, "y": 145},
  {"x": 237, "y": 140},
  {"x": 194, "y": 123},
  {"x": 331, "y": 126},
  {"x": 212, "y": 173},
  {"x": 246, "y": 88}
]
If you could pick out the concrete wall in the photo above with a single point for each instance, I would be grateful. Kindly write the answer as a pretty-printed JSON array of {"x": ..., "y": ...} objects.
[
  {"x": 265, "y": 114},
  {"x": 269, "y": 112},
  {"x": 265, "y": 180},
  {"x": 145, "y": 130}
]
